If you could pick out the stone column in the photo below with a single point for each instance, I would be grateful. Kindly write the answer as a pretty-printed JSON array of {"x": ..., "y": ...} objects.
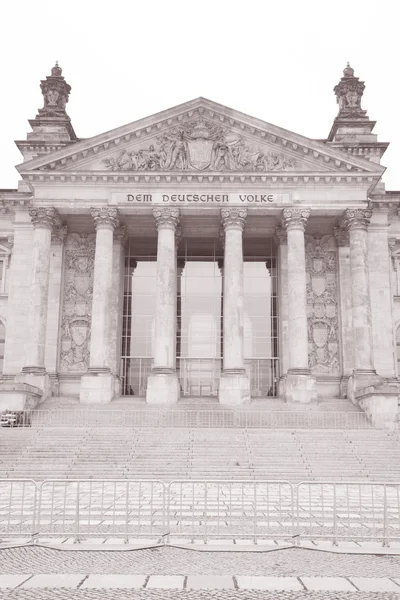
[
  {"x": 281, "y": 242},
  {"x": 162, "y": 385},
  {"x": 54, "y": 305},
  {"x": 234, "y": 387},
  {"x": 346, "y": 316},
  {"x": 117, "y": 298},
  {"x": 97, "y": 386},
  {"x": 300, "y": 385},
  {"x": 43, "y": 219},
  {"x": 357, "y": 221}
]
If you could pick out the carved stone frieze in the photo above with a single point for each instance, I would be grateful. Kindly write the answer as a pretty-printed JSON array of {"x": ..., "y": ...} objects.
[
  {"x": 295, "y": 218},
  {"x": 77, "y": 302},
  {"x": 233, "y": 218},
  {"x": 341, "y": 236},
  {"x": 322, "y": 305},
  {"x": 46, "y": 217},
  {"x": 356, "y": 218},
  {"x": 59, "y": 234},
  {"x": 105, "y": 217},
  {"x": 200, "y": 145},
  {"x": 166, "y": 217},
  {"x": 280, "y": 236}
]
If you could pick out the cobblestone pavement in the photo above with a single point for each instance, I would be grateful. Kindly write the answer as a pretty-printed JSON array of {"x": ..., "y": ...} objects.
[
  {"x": 63, "y": 594},
  {"x": 172, "y": 561}
]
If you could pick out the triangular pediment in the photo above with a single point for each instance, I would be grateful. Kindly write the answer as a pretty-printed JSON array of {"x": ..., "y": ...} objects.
[{"x": 199, "y": 136}]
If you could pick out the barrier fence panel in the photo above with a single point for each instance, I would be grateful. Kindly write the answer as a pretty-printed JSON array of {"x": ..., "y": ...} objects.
[
  {"x": 348, "y": 511},
  {"x": 18, "y": 498},
  {"x": 92, "y": 508},
  {"x": 176, "y": 417},
  {"x": 205, "y": 510}
]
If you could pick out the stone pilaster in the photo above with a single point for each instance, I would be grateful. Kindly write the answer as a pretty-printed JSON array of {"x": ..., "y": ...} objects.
[
  {"x": 234, "y": 383},
  {"x": 281, "y": 242},
  {"x": 97, "y": 386},
  {"x": 300, "y": 385},
  {"x": 381, "y": 293},
  {"x": 162, "y": 385},
  {"x": 345, "y": 300}
]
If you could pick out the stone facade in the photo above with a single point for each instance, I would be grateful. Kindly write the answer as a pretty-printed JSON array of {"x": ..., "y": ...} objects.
[{"x": 192, "y": 173}]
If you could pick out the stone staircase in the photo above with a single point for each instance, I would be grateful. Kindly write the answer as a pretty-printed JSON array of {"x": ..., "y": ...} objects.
[
  {"x": 68, "y": 440},
  {"x": 191, "y": 453}
]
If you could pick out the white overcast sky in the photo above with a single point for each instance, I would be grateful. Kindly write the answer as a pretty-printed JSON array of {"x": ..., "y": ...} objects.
[{"x": 126, "y": 59}]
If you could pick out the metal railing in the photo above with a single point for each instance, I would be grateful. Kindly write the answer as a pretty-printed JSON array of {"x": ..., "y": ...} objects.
[
  {"x": 200, "y": 510},
  {"x": 240, "y": 418}
]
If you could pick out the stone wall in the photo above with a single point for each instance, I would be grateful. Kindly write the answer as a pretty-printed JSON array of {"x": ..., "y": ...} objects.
[
  {"x": 77, "y": 302},
  {"x": 322, "y": 305}
]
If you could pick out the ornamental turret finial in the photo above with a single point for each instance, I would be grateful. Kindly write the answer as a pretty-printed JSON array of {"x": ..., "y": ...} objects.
[
  {"x": 55, "y": 92},
  {"x": 349, "y": 92}
]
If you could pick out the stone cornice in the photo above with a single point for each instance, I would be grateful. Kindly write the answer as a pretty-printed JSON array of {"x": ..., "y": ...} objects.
[
  {"x": 88, "y": 178},
  {"x": 299, "y": 146}
]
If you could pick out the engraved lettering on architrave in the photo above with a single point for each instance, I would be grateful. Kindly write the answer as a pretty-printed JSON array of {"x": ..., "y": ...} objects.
[
  {"x": 77, "y": 302},
  {"x": 322, "y": 306}
]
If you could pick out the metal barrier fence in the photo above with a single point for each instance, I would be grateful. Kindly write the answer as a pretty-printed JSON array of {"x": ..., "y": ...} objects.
[
  {"x": 230, "y": 509},
  {"x": 187, "y": 511},
  {"x": 200, "y": 418},
  {"x": 348, "y": 511}
]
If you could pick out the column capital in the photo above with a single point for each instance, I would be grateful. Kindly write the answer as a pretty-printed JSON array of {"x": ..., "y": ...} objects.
[
  {"x": 280, "y": 236},
  {"x": 233, "y": 218},
  {"x": 105, "y": 217},
  {"x": 392, "y": 244},
  {"x": 356, "y": 218},
  {"x": 341, "y": 236},
  {"x": 166, "y": 217},
  {"x": 44, "y": 217},
  {"x": 295, "y": 218},
  {"x": 59, "y": 234},
  {"x": 120, "y": 234}
]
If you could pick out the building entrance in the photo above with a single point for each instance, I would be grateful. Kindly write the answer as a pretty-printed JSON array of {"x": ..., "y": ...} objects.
[
  {"x": 199, "y": 320},
  {"x": 199, "y": 316}
]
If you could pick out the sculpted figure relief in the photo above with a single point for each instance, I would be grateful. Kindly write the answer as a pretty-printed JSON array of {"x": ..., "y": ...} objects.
[
  {"x": 322, "y": 310},
  {"x": 200, "y": 145},
  {"x": 77, "y": 304}
]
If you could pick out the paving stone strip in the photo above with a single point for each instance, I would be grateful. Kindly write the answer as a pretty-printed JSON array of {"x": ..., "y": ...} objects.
[{"x": 198, "y": 582}]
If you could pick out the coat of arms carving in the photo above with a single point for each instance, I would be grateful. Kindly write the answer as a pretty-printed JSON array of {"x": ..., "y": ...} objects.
[{"x": 200, "y": 145}]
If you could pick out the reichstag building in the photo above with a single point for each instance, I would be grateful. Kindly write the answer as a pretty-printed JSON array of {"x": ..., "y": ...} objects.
[{"x": 201, "y": 252}]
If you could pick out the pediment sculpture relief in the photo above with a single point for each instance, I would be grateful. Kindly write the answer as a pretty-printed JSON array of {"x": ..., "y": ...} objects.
[{"x": 200, "y": 145}]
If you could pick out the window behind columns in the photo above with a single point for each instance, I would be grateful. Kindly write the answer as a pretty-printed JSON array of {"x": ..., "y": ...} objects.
[
  {"x": 261, "y": 315},
  {"x": 138, "y": 314}
]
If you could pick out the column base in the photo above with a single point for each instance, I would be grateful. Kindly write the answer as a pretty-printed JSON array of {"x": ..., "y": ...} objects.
[
  {"x": 37, "y": 377},
  {"x": 162, "y": 388},
  {"x": 380, "y": 403},
  {"x": 360, "y": 379},
  {"x": 300, "y": 386},
  {"x": 234, "y": 388},
  {"x": 97, "y": 387}
]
